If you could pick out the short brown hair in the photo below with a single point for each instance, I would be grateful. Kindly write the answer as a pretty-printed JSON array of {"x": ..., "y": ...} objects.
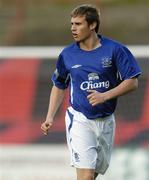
[{"x": 91, "y": 14}]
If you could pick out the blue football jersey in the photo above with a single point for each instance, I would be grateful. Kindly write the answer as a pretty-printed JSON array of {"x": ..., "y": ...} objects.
[{"x": 100, "y": 69}]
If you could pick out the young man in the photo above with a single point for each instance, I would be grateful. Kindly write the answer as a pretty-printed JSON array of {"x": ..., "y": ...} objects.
[{"x": 98, "y": 71}]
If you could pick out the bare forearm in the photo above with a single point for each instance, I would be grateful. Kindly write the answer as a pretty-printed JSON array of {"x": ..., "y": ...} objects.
[
  {"x": 125, "y": 87},
  {"x": 56, "y": 98}
]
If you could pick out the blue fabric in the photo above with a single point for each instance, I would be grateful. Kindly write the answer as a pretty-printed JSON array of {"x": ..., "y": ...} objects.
[
  {"x": 100, "y": 69},
  {"x": 71, "y": 120}
]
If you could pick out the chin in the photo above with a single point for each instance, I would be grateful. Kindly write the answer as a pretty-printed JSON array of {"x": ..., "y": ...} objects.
[{"x": 76, "y": 39}]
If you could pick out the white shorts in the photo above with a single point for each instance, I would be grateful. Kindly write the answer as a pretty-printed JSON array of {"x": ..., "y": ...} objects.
[{"x": 90, "y": 141}]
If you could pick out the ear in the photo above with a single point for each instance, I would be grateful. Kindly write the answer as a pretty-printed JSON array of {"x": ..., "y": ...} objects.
[{"x": 93, "y": 26}]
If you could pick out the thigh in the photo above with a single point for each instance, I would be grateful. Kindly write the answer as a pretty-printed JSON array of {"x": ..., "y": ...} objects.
[
  {"x": 108, "y": 134},
  {"x": 85, "y": 174},
  {"x": 82, "y": 142},
  {"x": 105, "y": 144}
]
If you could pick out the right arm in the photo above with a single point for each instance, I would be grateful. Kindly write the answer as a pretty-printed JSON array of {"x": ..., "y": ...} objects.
[{"x": 55, "y": 101}]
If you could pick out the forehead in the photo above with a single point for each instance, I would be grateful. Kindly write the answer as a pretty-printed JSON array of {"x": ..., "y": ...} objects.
[{"x": 78, "y": 19}]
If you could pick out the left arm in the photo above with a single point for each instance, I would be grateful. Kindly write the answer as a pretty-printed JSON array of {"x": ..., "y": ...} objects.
[{"x": 123, "y": 88}]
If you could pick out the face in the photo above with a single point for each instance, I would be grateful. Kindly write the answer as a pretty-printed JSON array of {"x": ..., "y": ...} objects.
[{"x": 80, "y": 28}]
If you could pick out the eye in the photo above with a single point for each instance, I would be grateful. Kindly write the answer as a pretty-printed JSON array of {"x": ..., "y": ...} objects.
[{"x": 78, "y": 23}]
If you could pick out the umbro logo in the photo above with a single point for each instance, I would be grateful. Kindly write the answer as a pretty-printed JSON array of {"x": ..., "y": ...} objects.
[{"x": 76, "y": 66}]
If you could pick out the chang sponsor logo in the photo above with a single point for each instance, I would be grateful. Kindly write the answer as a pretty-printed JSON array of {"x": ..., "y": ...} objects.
[
  {"x": 93, "y": 76},
  {"x": 86, "y": 85},
  {"x": 91, "y": 84}
]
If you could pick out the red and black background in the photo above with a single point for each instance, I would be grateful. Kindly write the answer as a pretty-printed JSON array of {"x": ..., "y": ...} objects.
[{"x": 25, "y": 86}]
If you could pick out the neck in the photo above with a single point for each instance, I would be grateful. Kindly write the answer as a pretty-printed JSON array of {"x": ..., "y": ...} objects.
[{"x": 90, "y": 43}]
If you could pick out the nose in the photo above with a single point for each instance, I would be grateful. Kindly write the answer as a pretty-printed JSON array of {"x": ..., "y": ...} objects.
[{"x": 73, "y": 27}]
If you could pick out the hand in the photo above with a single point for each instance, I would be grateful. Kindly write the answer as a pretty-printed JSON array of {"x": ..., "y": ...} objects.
[
  {"x": 96, "y": 97},
  {"x": 45, "y": 126}
]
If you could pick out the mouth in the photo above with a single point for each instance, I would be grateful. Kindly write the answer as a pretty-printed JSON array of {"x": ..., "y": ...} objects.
[{"x": 74, "y": 35}]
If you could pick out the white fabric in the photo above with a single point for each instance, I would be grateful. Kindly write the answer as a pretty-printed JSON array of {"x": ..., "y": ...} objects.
[{"x": 90, "y": 141}]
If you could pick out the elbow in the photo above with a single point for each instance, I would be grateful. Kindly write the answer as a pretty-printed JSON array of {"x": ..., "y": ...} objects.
[{"x": 135, "y": 84}]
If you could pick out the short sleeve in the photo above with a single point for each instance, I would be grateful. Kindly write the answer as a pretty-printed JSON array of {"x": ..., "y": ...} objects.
[
  {"x": 126, "y": 63},
  {"x": 60, "y": 76}
]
